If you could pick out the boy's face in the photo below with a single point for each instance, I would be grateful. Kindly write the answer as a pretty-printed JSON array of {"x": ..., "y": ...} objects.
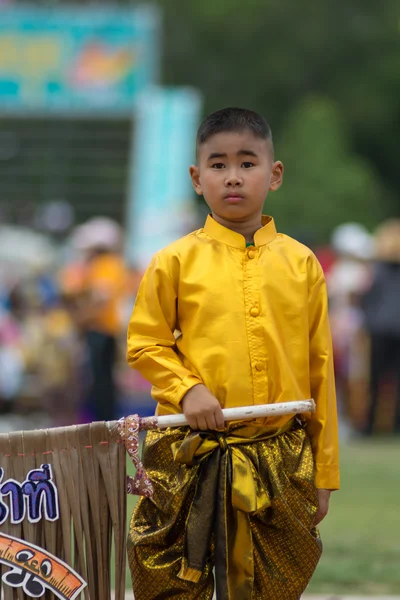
[{"x": 235, "y": 172}]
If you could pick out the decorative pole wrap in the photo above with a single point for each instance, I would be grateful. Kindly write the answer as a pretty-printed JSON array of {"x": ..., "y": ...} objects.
[{"x": 129, "y": 428}]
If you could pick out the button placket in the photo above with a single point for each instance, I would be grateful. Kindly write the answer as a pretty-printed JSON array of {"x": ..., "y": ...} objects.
[{"x": 254, "y": 326}]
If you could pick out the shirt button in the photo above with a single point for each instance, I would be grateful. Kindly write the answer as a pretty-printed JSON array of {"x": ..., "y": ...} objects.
[
  {"x": 251, "y": 254},
  {"x": 259, "y": 366},
  {"x": 254, "y": 312}
]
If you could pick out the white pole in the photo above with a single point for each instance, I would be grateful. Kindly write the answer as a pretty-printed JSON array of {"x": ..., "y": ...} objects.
[{"x": 242, "y": 413}]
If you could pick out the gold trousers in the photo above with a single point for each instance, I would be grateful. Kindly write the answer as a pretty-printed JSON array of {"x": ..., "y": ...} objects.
[{"x": 240, "y": 503}]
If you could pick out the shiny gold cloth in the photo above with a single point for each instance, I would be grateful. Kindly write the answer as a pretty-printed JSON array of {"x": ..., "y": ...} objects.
[{"x": 242, "y": 501}]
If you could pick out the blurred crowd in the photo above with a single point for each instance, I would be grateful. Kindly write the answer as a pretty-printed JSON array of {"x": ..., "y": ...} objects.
[
  {"x": 64, "y": 308},
  {"x": 65, "y": 302},
  {"x": 363, "y": 278}
]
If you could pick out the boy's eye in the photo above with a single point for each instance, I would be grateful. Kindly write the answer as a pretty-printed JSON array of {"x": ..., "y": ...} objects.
[
  {"x": 248, "y": 165},
  {"x": 218, "y": 166}
]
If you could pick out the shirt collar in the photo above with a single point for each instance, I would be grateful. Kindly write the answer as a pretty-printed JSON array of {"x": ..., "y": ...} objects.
[{"x": 261, "y": 237}]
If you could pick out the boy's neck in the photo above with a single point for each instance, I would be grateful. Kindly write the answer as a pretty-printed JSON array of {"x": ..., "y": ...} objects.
[{"x": 246, "y": 228}]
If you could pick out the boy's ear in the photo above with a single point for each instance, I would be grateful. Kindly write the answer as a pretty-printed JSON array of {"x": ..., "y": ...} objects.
[
  {"x": 276, "y": 176},
  {"x": 195, "y": 177}
]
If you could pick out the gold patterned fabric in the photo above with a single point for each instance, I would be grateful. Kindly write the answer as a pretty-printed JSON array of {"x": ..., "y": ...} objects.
[{"x": 241, "y": 503}]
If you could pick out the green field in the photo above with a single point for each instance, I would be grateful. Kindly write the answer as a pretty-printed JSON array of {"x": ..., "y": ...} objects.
[{"x": 361, "y": 534}]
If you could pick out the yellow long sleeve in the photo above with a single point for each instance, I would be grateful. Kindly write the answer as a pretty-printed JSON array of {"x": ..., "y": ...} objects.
[
  {"x": 322, "y": 426},
  {"x": 253, "y": 327},
  {"x": 151, "y": 340}
]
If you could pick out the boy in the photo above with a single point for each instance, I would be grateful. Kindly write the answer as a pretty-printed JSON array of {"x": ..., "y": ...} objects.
[{"x": 233, "y": 314}]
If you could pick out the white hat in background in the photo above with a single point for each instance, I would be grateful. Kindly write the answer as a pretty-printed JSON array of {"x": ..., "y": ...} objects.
[
  {"x": 99, "y": 232},
  {"x": 353, "y": 240}
]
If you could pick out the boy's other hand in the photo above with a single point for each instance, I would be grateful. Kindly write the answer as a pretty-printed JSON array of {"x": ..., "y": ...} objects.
[
  {"x": 202, "y": 409},
  {"x": 323, "y": 505}
]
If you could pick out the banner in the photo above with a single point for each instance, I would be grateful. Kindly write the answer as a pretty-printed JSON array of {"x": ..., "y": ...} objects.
[
  {"x": 72, "y": 60},
  {"x": 161, "y": 199},
  {"x": 62, "y": 505}
]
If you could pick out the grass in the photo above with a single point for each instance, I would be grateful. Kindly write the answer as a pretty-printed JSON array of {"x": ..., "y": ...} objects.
[
  {"x": 361, "y": 534},
  {"x": 131, "y": 501}
]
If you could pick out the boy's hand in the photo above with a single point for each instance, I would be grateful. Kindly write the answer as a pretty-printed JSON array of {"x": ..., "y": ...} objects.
[
  {"x": 323, "y": 505},
  {"x": 202, "y": 409}
]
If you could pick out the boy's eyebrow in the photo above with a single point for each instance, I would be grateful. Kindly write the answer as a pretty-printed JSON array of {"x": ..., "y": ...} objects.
[
  {"x": 239, "y": 153},
  {"x": 247, "y": 153},
  {"x": 217, "y": 155}
]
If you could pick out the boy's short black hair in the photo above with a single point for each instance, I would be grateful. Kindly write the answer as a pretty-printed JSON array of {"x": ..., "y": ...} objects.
[{"x": 233, "y": 119}]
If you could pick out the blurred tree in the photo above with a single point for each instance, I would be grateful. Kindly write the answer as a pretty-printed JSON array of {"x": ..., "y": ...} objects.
[
  {"x": 325, "y": 183},
  {"x": 269, "y": 56}
]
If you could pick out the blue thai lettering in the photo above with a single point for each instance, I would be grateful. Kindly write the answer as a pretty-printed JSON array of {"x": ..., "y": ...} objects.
[
  {"x": 17, "y": 505},
  {"x": 3, "y": 507},
  {"x": 42, "y": 474},
  {"x": 37, "y": 495},
  {"x": 41, "y": 494}
]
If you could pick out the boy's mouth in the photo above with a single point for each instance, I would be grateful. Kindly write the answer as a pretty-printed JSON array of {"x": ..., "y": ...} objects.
[{"x": 233, "y": 197}]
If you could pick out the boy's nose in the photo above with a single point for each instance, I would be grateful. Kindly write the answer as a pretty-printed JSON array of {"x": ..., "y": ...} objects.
[{"x": 233, "y": 180}]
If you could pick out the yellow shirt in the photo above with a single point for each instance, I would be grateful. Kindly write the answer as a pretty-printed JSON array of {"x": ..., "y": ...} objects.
[
  {"x": 250, "y": 323},
  {"x": 106, "y": 282}
]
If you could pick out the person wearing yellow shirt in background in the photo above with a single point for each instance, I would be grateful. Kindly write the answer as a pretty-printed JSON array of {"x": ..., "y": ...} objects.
[
  {"x": 98, "y": 286},
  {"x": 233, "y": 314}
]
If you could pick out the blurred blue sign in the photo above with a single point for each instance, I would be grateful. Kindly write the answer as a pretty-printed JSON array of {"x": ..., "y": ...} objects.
[
  {"x": 74, "y": 59},
  {"x": 161, "y": 204}
]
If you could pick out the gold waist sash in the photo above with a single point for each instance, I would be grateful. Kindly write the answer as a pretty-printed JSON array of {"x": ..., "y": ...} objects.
[{"x": 228, "y": 490}]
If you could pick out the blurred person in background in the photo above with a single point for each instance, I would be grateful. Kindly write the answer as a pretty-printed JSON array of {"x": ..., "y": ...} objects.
[
  {"x": 38, "y": 345},
  {"x": 347, "y": 280},
  {"x": 381, "y": 306},
  {"x": 47, "y": 348},
  {"x": 11, "y": 359},
  {"x": 96, "y": 286}
]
